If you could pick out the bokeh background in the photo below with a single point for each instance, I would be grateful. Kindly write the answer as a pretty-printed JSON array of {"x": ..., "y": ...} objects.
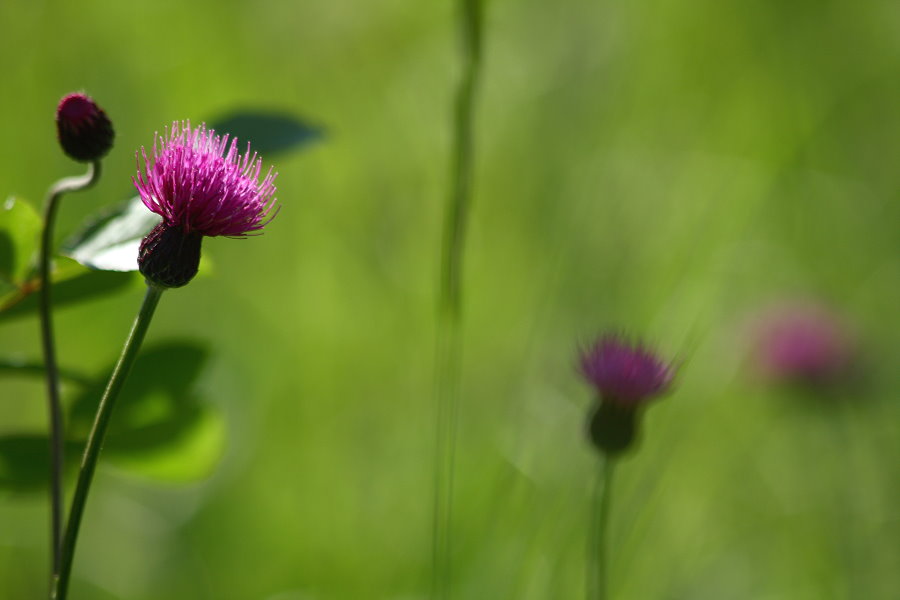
[{"x": 664, "y": 168}]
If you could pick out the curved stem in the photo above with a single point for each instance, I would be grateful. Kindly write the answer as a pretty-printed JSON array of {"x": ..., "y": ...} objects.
[
  {"x": 448, "y": 345},
  {"x": 54, "y": 406},
  {"x": 598, "y": 535},
  {"x": 98, "y": 432}
]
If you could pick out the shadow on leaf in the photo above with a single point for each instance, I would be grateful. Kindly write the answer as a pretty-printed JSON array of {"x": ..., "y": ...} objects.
[
  {"x": 84, "y": 286},
  {"x": 160, "y": 427},
  {"x": 268, "y": 132}
]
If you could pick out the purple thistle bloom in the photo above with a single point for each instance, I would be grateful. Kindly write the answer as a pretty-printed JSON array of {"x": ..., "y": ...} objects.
[
  {"x": 199, "y": 183},
  {"x": 801, "y": 341},
  {"x": 201, "y": 186},
  {"x": 624, "y": 374}
]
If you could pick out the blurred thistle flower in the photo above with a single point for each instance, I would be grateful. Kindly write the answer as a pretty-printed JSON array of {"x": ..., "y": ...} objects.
[
  {"x": 201, "y": 186},
  {"x": 624, "y": 373},
  {"x": 626, "y": 377},
  {"x": 801, "y": 342},
  {"x": 85, "y": 132}
]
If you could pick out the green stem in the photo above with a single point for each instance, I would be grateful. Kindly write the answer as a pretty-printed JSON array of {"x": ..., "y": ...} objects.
[
  {"x": 448, "y": 345},
  {"x": 598, "y": 535},
  {"x": 54, "y": 405},
  {"x": 447, "y": 394},
  {"x": 98, "y": 432},
  {"x": 459, "y": 201}
]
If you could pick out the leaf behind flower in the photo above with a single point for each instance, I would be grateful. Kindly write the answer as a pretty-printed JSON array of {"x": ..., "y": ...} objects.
[
  {"x": 110, "y": 241},
  {"x": 269, "y": 133}
]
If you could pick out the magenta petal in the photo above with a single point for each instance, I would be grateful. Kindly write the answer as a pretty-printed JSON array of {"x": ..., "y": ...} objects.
[
  {"x": 624, "y": 373},
  {"x": 195, "y": 180}
]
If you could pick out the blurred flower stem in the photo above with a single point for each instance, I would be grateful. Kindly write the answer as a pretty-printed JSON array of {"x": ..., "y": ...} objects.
[
  {"x": 51, "y": 369},
  {"x": 449, "y": 349},
  {"x": 98, "y": 433},
  {"x": 596, "y": 571}
]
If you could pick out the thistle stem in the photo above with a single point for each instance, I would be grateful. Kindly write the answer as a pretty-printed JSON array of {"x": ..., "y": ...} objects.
[
  {"x": 598, "y": 535},
  {"x": 448, "y": 345},
  {"x": 51, "y": 369},
  {"x": 447, "y": 393},
  {"x": 98, "y": 432}
]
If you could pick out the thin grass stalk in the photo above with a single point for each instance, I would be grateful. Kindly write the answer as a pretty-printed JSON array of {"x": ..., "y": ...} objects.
[{"x": 448, "y": 354}]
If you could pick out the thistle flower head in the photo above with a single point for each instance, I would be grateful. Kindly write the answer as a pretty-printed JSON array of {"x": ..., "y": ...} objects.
[
  {"x": 201, "y": 186},
  {"x": 84, "y": 131},
  {"x": 803, "y": 342},
  {"x": 197, "y": 181},
  {"x": 625, "y": 374}
]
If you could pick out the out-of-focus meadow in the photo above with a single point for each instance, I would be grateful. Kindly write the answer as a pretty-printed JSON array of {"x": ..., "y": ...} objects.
[{"x": 664, "y": 168}]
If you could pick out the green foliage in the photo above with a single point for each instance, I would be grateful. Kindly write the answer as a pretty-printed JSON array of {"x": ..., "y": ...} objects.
[
  {"x": 111, "y": 239},
  {"x": 659, "y": 167},
  {"x": 20, "y": 226},
  {"x": 163, "y": 430},
  {"x": 73, "y": 284},
  {"x": 269, "y": 133}
]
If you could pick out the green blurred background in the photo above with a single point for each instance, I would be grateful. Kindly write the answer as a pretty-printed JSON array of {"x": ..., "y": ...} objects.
[{"x": 662, "y": 167}]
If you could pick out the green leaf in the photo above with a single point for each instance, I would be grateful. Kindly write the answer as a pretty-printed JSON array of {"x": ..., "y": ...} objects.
[
  {"x": 25, "y": 461},
  {"x": 185, "y": 454},
  {"x": 162, "y": 374},
  {"x": 72, "y": 283},
  {"x": 19, "y": 231},
  {"x": 110, "y": 241},
  {"x": 268, "y": 132},
  {"x": 161, "y": 428},
  {"x": 20, "y": 228}
]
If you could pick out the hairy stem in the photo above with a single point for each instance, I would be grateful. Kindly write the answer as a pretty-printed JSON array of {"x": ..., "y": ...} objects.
[
  {"x": 54, "y": 405},
  {"x": 98, "y": 433}
]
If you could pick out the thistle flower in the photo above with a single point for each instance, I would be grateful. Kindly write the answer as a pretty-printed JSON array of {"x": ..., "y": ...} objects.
[
  {"x": 84, "y": 131},
  {"x": 801, "y": 342},
  {"x": 625, "y": 374},
  {"x": 626, "y": 377},
  {"x": 201, "y": 186}
]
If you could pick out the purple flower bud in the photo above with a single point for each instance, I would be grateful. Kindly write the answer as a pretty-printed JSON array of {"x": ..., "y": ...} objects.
[
  {"x": 85, "y": 132},
  {"x": 613, "y": 428},
  {"x": 201, "y": 186},
  {"x": 169, "y": 257}
]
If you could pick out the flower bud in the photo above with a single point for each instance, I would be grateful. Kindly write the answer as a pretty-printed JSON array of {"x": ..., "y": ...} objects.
[
  {"x": 85, "y": 132},
  {"x": 613, "y": 428},
  {"x": 169, "y": 257}
]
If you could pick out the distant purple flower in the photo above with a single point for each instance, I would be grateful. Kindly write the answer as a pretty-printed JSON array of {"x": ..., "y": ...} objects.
[
  {"x": 625, "y": 374},
  {"x": 84, "y": 131},
  {"x": 801, "y": 341},
  {"x": 201, "y": 186},
  {"x": 197, "y": 181}
]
